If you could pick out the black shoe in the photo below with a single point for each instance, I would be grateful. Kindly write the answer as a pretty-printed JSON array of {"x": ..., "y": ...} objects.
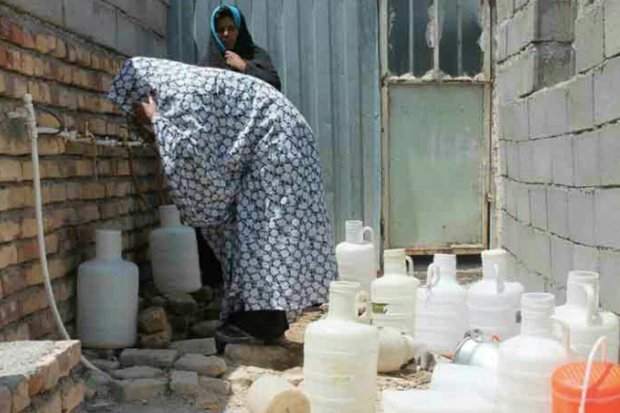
[{"x": 231, "y": 334}]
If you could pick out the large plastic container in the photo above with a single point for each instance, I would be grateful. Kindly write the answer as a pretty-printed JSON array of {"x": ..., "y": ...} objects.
[
  {"x": 493, "y": 302},
  {"x": 394, "y": 295},
  {"x": 526, "y": 362},
  {"x": 340, "y": 357},
  {"x": 434, "y": 401},
  {"x": 356, "y": 256},
  {"x": 174, "y": 254},
  {"x": 448, "y": 377},
  {"x": 107, "y": 296},
  {"x": 395, "y": 349},
  {"x": 582, "y": 315},
  {"x": 587, "y": 387},
  {"x": 441, "y": 316}
]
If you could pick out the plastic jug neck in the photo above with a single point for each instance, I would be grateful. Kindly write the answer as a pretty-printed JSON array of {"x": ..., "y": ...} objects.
[
  {"x": 342, "y": 303},
  {"x": 395, "y": 262},
  {"x": 490, "y": 259},
  {"x": 447, "y": 267},
  {"x": 354, "y": 232},
  {"x": 108, "y": 244},
  {"x": 583, "y": 289},
  {"x": 169, "y": 216},
  {"x": 536, "y": 312}
]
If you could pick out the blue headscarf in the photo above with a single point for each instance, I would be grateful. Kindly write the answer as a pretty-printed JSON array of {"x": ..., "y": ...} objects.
[{"x": 236, "y": 18}]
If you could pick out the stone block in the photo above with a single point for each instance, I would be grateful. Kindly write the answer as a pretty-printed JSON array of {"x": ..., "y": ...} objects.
[
  {"x": 154, "y": 358},
  {"x": 586, "y": 150},
  {"x": 589, "y": 45},
  {"x": 609, "y": 150},
  {"x": 181, "y": 304},
  {"x": 548, "y": 112},
  {"x": 581, "y": 102},
  {"x": 557, "y": 211},
  {"x": 526, "y": 167},
  {"x": 205, "y": 329},
  {"x": 137, "y": 372},
  {"x": 92, "y": 19},
  {"x": 17, "y": 384},
  {"x": 517, "y": 76},
  {"x": 556, "y": 20},
  {"x": 72, "y": 393},
  {"x": 153, "y": 320},
  {"x": 5, "y": 400},
  {"x": 542, "y": 167},
  {"x": 522, "y": 29},
  {"x": 204, "y": 346},
  {"x": 271, "y": 357},
  {"x": 581, "y": 216},
  {"x": 514, "y": 120},
  {"x": 512, "y": 159},
  {"x": 606, "y": 92},
  {"x": 607, "y": 217},
  {"x": 522, "y": 197},
  {"x": 538, "y": 207},
  {"x": 554, "y": 64},
  {"x": 562, "y": 164},
  {"x": 212, "y": 366},
  {"x": 138, "y": 389},
  {"x": 612, "y": 28},
  {"x": 184, "y": 383}
]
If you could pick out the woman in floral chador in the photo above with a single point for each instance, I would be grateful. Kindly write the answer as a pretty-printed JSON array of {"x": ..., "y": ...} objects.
[{"x": 241, "y": 164}]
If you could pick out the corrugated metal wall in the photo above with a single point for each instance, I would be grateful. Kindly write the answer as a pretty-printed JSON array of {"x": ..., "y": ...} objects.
[{"x": 326, "y": 52}]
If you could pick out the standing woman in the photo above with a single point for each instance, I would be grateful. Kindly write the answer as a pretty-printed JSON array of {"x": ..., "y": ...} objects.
[
  {"x": 231, "y": 47},
  {"x": 242, "y": 164}
]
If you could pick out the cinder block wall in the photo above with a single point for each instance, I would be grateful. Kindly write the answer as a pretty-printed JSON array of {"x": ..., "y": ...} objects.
[
  {"x": 558, "y": 96},
  {"x": 65, "y": 53}
]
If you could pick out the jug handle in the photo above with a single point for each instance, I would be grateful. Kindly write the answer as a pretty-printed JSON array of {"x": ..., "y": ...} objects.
[
  {"x": 602, "y": 341},
  {"x": 368, "y": 230},
  {"x": 410, "y": 264},
  {"x": 362, "y": 301},
  {"x": 589, "y": 291},
  {"x": 432, "y": 276},
  {"x": 500, "y": 282},
  {"x": 565, "y": 334}
]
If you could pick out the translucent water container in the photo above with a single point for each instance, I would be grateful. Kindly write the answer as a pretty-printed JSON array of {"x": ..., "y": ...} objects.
[
  {"x": 340, "y": 357},
  {"x": 435, "y": 401},
  {"x": 493, "y": 302},
  {"x": 356, "y": 256},
  {"x": 174, "y": 254},
  {"x": 394, "y": 295},
  {"x": 585, "y": 319},
  {"x": 107, "y": 296},
  {"x": 527, "y": 361},
  {"x": 441, "y": 316}
]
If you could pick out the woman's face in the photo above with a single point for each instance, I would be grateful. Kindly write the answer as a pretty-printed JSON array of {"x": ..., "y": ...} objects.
[{"x": 227, "y": 31}]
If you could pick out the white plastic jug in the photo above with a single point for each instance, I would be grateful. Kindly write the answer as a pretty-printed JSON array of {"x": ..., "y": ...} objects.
[
  {"x": 107, "y": 296},
  {"x": 493, "y": 303},
  {"x": 441, "y": 316},
  {"x": 356, "y": 256},
  {"x": 527, "y": 361},
  {"x": 395, "y": 349},
  {"x": 340, "y": 357},
  {"x": 174, "y": 254},
  {"x": 448, "y": 377},
  {"x": 394, "y": 295},
  {"x": 582, "y": 315},
  {"x": 435, "y": 401}
]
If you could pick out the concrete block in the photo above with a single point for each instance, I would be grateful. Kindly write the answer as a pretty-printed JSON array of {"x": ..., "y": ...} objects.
[
  {"x": 556, "y": 20},
  {"x": 610, "y": 280},
  {"x": 517, "y": 76},
  {"x": 509, "y": 199},
  {"x": 557, "y": 211},
  {"x": 503, "y": 158},
  {"x": 555, "y": 62},
  {"x": 507, "y": 233},
  {"x": 589, "y": 45},
  {"x": 538, "y": 255},
  {"x": 586, "y": 150},
  {"x": 609, "y": 152},
  {"x": 519, "y": 4},
  {"x": 607, "y": 202},
  {"x": 606, "y": 92},
  {"x": 522, "y": 197},
  {"x": 585, "y": 258},
  {"x": 514, "y": 120},
  {"x": 531, "y": 281},
  {"x": 612, "y": 28},
  {"x": 538, "y": 207},
  {"x": 48, "y": 10},
  {"x": 505, "y": 9},
  {"x": 526, "y": 171},
  {"x": 581, "y": 216},
  {"x": 522, "y": 28},
  {"x": 562, "y": 161},
  {"x": 542, "y": 154},
  {"x": 548, "y": 112},
  {"x": 512, "y": 159},
  {"x": 581, "y": 102},
  {"x": 92, "y": 19},
  {"x": 561, "y": 260},
  {"x": 501, "y": 41}
]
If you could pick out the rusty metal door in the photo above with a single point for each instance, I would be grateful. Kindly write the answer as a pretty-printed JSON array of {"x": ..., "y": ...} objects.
[{"x": 436, "y": 123}]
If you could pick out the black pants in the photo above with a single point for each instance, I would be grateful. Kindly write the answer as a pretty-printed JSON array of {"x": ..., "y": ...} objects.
[{"x": 210, "y": 268}]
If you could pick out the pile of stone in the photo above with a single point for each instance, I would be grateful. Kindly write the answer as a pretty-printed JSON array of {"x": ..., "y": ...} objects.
[{"x": 40, "y": 377}]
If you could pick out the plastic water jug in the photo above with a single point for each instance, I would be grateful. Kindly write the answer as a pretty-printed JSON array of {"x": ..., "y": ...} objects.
[
  {"x": 107, "y": 296},
  {"x": 582, "y": 315},
  {"x": 448, "y": 377},
  {"x": 434, "y": 401},
  {"x": 441, "y": 316},
  {"x": 493, "y": 303},
  {"x": 527, "y": 361},
  {"x": 356, "y": 256},
  {"x": 340, "y": 357},
  {"x": 395, "y": 349},
  {"x": 394, "y": 295},
  {"x": 587, "y": 387},
  {"x": 174, "y": 254}
]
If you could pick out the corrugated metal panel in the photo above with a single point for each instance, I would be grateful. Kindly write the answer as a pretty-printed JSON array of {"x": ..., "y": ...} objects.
[{"x": 326, "y": 52}]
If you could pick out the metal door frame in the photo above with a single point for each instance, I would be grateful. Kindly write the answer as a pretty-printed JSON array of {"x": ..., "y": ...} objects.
[{"x": 487, "y": 82}]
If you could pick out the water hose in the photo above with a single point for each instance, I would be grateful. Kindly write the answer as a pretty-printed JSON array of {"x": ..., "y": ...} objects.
[{"x": 31, "y": 124}]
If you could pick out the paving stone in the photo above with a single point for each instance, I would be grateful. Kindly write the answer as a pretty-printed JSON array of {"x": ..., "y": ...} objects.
[
  {"x": 204, "y": 346},
  {"x": 271, "y": 357},
  {"x": 181, "y": 304},
  {"x": 137, "y": 372},
  {"x": 145, "y": 357},
  {"x": 212, "y": 366},
  {"x": 213, "y": 385},
  {"x": 160, "y": 340},
  {"x": 106, "y": 365},
  {"x": 184, "y": 382},
  {"x": 153, "y": 320},
  {"x": 138, "y": 389},
  {"x": 205, "y": 329}
]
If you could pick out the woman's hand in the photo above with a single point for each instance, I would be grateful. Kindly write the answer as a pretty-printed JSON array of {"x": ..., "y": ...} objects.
[
  {"x": 235, "y": 61},
  {"x": 147, "y": 110}
]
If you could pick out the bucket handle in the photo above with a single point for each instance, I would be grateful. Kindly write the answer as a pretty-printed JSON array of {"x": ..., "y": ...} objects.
[
  {"x": 565, "y": 333},
  {"x": 500, "y": 281},
  {"x": 592, "y": 305},
  {"x": 368, "y": 230},
  {"x": 433, "y": 275},
  {"x": 602, "y": 341}
]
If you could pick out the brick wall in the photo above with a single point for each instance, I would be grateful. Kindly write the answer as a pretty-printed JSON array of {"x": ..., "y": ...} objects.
[
  {"x": 558, "y": 95},
  {"x": 65, "y": 53}
]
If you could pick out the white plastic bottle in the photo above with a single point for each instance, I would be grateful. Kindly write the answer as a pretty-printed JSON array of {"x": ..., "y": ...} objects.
[
  {"x": 340, "y": 357},
  {"x": 442, "y": 307},
  {"x": 527, "y": 361},
  {"x": 107, "y": 296},
  {"x": 356, "y": 256},
  {"x": 582, "y": 315},
  {"x": 394, "y": 295},
  {"x": 493, "y": 302},
  {"x": 174, "y": 254}
]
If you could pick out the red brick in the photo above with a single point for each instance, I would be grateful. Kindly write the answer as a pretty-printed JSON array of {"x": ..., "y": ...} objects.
[
  {"x": 60, "y": 48},
  {"x": 17, "y": 332},
  {"x": 105, "y": 168},
  {"x": 9, "y": 311},
  {"x": 18, "y": 87},
  {"x": 15, "y": 197},
  {"x": 13, "y": 281},
  {"x": 43, "y": 43},
  {"x": 27, "y": 64},
  {"x": 61, "y": 72},
  {"x": 17, "y": 34},
  {"x": 74, "y": 191},
  {"x": 8, "y": 255},
  {"x": 32, "y": 300},
  {"x": 64, "y": 289},
  {"x": 72, "y": 392},
  {"x": 64, "y": 98},
  {"x": 29, "y": 249},
  {"x": 40, "y": 324},
  {"x": 88, "y": 213},
  {"x": 11, "y": 170},
  {"x": 9, "y": 230},
  {"x": 5, "y": 27},
  {"x": 14, "y": 60},
  {"x": 40, "y": 91},
  {"x": 2, "y": 81}
]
